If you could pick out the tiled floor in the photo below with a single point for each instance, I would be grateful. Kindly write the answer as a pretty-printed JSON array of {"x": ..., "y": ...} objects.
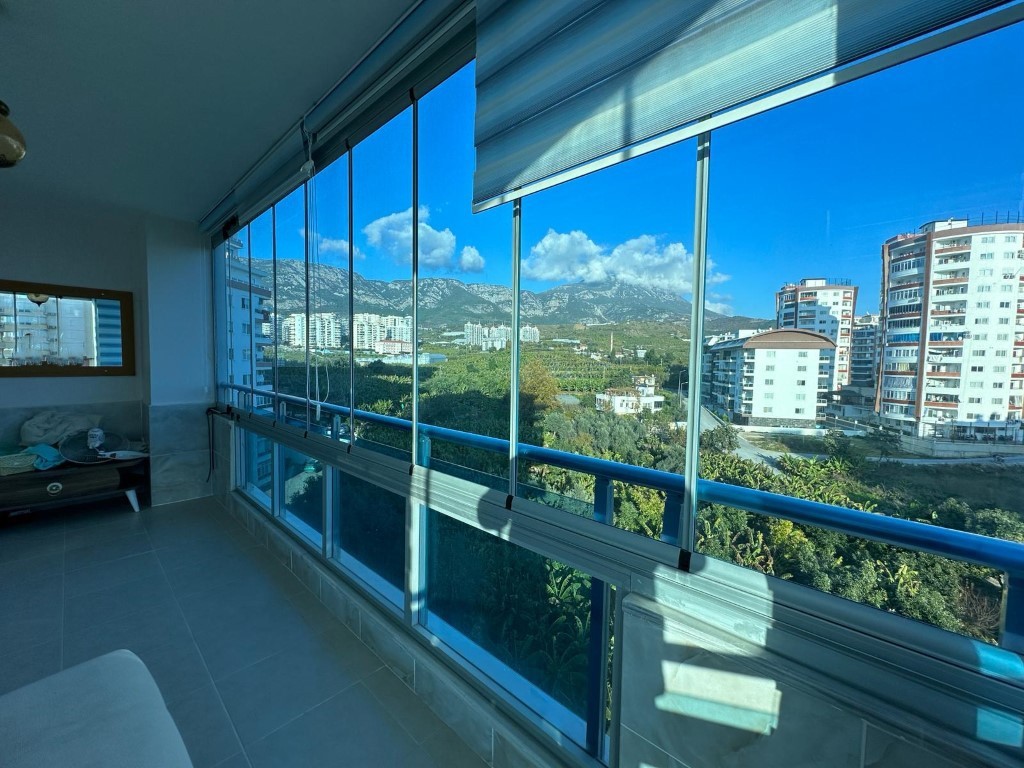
[{"x": 254, "y": 670}]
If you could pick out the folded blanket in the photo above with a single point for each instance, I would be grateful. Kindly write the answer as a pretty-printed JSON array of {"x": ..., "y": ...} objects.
[{"x": 50, "y": 427}]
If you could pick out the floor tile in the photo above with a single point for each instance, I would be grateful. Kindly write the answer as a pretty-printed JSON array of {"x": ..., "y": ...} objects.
[
  {"x": 35, "y": 625},
  {"x": 447, "y": 750},
  {"x": 106, "y": 551},
  {"x": 235, "y": 761},
  {"x": 212, "y": 546},
  {"x": 93, "y": 578},
  {"x": 177, "y": 667},
  {"x": 25, "y": 570},
  {"x": 352, "y": 729},
  {"x": 255, "y": 566},
  {"x": 24, "y": 547},
  {"x": 235, "y": 646},
  {"x": 114, "y": 527},
  {"x": 84, "y": 611},
  {"x": 268, "y": 694},
  {"x": 43, "y": 595},
  {"x": 18, "y": 668},
  {"x": 403, "y": 704},
  {"x": 141, "y": 631},
  {"x": 112, "y": 510},
  {"x": 205, "y": 727}
]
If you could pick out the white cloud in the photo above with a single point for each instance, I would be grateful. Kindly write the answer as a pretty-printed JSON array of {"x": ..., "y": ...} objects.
[
  {"x": 470, "y": 260},
  {"x": 339, "y": 246},
  {"x": 643, "y": 261},
  {"x": 333, "y": 246},
  {"x": 393, "y": 235}
]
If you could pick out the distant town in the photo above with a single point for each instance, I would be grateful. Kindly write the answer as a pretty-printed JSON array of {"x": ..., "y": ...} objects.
[{"x": 942, "y": 359}]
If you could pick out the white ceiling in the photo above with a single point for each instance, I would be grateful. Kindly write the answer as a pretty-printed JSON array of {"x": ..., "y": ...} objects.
[{"x": 161, "y": 105}]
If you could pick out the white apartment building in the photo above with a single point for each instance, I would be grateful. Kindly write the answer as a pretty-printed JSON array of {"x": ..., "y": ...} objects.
[
  {"x": 776, "y": 378},
  {"x": 497, "y": 336},
  {"x": 248, "y": 305},
  {"x": 631, "y": 400},
  {"x": 59, "y": 331},
  {"x": 326, "y": 330},
  {"x": 393, "y": 347},
  {"x": 823, "y": 306},
  {"x": 865, "y": 351},
  {"x": 369, "y": 328},
  {"x": 953, "y": 325}
]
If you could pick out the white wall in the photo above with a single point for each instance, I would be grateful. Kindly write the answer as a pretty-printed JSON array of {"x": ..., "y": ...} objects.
[
  {"x": 180, "y": 314},
  {"x": 68, "y": 242}
]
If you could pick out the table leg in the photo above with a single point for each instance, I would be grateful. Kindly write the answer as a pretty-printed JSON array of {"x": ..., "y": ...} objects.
[{"x": 133, "y": 499}]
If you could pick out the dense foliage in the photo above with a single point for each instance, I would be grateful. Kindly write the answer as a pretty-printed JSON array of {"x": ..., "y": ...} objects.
[{"x": 534, "y": 614}]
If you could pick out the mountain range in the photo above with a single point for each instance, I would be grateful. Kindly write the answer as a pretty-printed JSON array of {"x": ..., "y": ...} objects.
[{"x": 445, "y": 301}]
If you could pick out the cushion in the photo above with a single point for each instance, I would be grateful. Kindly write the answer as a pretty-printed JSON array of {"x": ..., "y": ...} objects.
[{"x": 106, "y": 712}]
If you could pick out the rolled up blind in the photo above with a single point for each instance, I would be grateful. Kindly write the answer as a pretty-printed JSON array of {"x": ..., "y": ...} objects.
[{"x": 562, "y": 84}]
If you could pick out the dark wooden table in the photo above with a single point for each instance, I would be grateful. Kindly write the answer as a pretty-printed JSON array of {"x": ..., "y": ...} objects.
[{"x": 74, "y": 483}]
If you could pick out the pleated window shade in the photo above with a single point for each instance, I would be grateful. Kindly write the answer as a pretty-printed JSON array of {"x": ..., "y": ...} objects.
[{"x": 560, "y": 84}]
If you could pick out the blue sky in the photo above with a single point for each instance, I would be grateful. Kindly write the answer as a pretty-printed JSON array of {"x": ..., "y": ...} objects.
[{"x": 807, "y": 190}]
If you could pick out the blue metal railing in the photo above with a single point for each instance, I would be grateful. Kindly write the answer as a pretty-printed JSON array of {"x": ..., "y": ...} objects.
[{"x": 1005, "y": 556}]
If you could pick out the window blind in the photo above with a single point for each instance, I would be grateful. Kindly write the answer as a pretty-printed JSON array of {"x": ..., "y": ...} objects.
[{"x": 561, "y": 84}]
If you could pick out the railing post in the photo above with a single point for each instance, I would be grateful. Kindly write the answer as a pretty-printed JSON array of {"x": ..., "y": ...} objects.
[
  {"x": 670, "y": 517},
  {"x": 424, "y": 450},
  {"x": 336, "y": 426},
  {"x": 597, "y": 647},
  {"x": 1011, "y": 623},
  {"x": 604, "y": 500}
]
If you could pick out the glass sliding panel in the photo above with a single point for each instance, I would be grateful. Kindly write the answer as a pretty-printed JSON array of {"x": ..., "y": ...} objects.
[
  {"x": 221, "y": 310},
  {"x": 290, "y": 303},
  {"x": 520, "y": 617},
  {"x": 258, "y": 469},
  {"x": 238, "y": 329},
  {"x": 881, "y": 266},
  {"x": 262, "y": 313},
  {"x": 605, "y": 316},
  {"x": 465, "y": 295},
  {"x": 382, "y": 326},
  {"x": 371, "y": 528},
  {"x": 329, "y": 349},
  {"x": 301, "y": 486}
]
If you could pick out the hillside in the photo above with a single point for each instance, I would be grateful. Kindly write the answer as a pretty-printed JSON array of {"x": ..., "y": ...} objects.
[{"x": 453, "y": 303}]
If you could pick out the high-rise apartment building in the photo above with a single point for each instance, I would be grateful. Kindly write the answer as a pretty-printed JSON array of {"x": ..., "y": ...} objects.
[
  {"x": 497, "y": 336},
  {"x": 865, "y": 351},
  {"x": 953, "y": 330},
  {"x": 368, "y": 329},
  {"x": 823, "y": 306},
  {"x": 326, "y": 330},
  {"x": 776, "y": 378}
]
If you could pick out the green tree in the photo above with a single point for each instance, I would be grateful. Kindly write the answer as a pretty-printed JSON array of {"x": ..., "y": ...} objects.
[{"x": 722, "y": 439}]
